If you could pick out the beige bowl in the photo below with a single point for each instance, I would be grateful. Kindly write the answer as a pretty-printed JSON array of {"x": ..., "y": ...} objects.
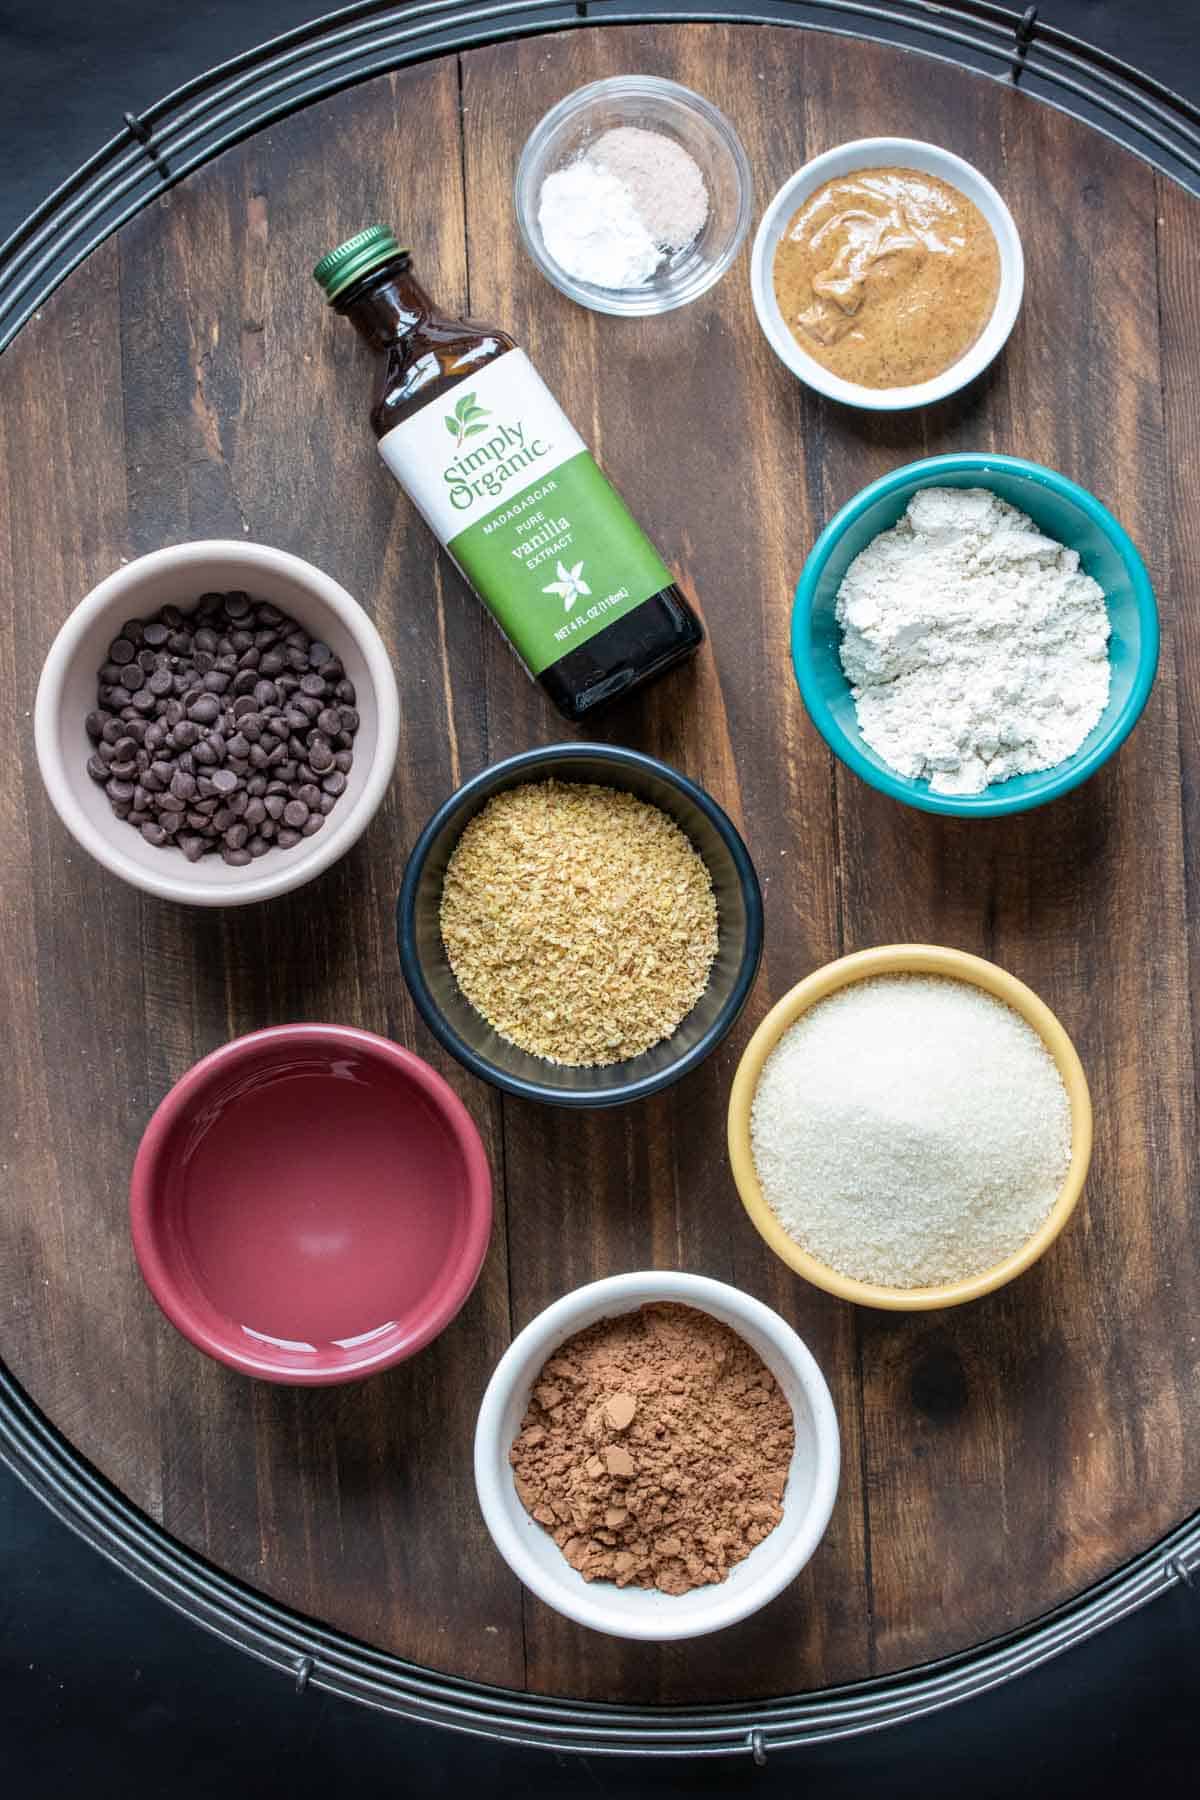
[
  {"x": 177, "y": 577},
  {"x": 907, "y": 959}
]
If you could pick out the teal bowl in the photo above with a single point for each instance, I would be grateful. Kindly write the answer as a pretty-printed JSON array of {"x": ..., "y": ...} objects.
[{"x": 1061, "y": 509}]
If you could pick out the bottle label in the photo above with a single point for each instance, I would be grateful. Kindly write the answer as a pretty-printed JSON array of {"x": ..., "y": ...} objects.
[{"x": 509, "y": 487}]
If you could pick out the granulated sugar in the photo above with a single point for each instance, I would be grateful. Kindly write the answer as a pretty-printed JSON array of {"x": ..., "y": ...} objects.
[{"x": 911, "y": 1130}]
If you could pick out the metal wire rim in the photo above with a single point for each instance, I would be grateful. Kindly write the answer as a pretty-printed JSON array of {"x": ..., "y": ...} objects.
[
  {"x": 312, "y": 1656},
  {"x": 208, "y": 114},
  {"x": 141, "y": 161}
]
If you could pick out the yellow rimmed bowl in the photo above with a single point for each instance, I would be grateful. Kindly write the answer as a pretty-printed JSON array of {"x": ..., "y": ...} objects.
[{"x": 907, "y": 959}]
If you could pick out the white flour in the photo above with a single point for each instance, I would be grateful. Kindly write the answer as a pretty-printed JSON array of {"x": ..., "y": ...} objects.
[{"x": 975, "y": 647}]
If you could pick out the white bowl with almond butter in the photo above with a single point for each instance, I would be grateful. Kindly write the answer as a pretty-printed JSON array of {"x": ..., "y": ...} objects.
[
  {"x": 887, "y": 273},
  {"x": 632, "y": 1611}
]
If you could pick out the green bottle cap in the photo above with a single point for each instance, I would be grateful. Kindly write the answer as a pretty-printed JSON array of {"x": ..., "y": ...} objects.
[{"x": 366, "y": 250}]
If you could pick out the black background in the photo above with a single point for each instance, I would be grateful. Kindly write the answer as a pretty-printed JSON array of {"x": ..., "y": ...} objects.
[{"x": 102, "y": 1686}]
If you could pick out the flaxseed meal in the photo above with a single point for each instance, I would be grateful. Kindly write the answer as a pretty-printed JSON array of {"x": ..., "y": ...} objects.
[{"x": 579, "y": 921}]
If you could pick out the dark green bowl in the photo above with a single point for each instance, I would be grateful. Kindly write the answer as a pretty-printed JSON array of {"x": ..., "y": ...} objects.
[{"x": 469, "y": 1037}]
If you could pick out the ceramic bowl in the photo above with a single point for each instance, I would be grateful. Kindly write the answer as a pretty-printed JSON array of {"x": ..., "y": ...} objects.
[
  {"x": 642, "y": 1612},
  {"x": 310, "y": 1204},
  {"x": 907, "y": 959},
  {"x": 877, "y": 153},
  {"x": 652, "y": 104},
  {"x": 1058, "y": 507},
  {"x": 468, "y": 1036},
  {"x": 178, "y": 576}
]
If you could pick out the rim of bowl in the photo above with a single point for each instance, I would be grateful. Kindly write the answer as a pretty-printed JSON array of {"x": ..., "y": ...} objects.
[
  {"x": 329, "y": 845},
  {"x": 954, "y": 169},
  {"x": 644, "y": 301},
  {"x": 907, "y": 959},
  {"x": 992, "y": 802},
  {"x": 176, "y": 1105},
  {"x": 620, "y": 1094},
  {"x": 574, "y": 1312}
]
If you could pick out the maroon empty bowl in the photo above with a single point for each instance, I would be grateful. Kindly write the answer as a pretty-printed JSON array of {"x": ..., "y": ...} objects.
[{"x": 310, "y": 1204}]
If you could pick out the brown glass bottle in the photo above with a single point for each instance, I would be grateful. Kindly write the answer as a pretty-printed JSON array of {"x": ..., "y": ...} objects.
[{"x": 424, "y": 356}]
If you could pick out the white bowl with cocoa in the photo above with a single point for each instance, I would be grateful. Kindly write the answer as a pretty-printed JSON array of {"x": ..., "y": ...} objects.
[{"x": 668, "y": 1472}]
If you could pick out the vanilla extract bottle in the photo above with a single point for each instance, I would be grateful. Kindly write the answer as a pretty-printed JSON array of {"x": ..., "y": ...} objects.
[{"x": 478, "y": 442}]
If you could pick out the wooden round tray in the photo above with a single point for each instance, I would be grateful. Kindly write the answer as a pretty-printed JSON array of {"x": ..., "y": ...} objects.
[{"x": 186, "y": 382}]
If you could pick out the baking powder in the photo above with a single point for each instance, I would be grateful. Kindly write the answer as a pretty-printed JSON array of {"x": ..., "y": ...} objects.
[{"x": 615, "y": 214}]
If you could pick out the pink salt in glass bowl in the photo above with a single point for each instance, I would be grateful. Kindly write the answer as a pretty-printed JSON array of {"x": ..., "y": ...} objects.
[{"x": 310, "y": 1204}]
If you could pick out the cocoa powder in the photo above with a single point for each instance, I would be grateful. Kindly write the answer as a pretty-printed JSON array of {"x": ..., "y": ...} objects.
[{"x": 655, "y": 1449}]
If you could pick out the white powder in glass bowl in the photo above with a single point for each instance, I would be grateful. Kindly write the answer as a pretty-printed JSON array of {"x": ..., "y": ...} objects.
[{"x": 614, "y": 215}]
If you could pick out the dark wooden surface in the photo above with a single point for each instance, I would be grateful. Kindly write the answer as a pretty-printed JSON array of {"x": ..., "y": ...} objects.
[{"x": 187, "y": 383}]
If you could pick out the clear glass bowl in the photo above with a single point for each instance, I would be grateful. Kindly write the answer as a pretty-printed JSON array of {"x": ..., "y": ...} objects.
[{"x": 654, "y": 105}]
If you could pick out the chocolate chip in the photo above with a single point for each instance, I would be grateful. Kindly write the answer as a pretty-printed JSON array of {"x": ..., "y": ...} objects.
[{"x": 190, "y": 744}]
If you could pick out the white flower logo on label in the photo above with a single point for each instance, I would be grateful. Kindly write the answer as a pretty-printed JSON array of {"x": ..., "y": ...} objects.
[{"x": 570, "y": 585}]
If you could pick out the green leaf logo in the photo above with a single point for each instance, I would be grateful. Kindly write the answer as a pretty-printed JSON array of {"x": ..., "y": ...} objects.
[{"x": 465, "y": 420}]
